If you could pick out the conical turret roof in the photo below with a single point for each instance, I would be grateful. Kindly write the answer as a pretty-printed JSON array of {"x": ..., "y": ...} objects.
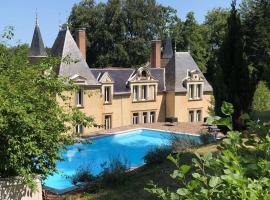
[
  {"x": 37, "y": 46},
  {"x": 65, "y": 47}
]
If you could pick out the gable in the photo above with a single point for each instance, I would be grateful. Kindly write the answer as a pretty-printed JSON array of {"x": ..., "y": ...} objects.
[{"x": 105, "y": 78}]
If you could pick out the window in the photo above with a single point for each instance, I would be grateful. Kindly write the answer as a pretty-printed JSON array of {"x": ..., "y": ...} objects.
[
  {"x": 199, "y": 116},
  {"x": 191, "y": 91},
  {"x": 79, "y": 98},
  {"x": 191, "y": 116},
  {"x": 108, "y": 121},
  {"x": 199, "y": 91},
  {"x": 152, "y": 92},
  {"x": 152, "y": 117},
  {"x": 195, "y": 91},
  {"x": 135, "y": 93},
  {"x": 107, "y": 94},
  {"x": 195, "y": 116},
  {"x": 144, "y": 117},
  {"x": 79, "y": 128},
  {"x": 144, "y": 74},
  {"x": 144, "y": 92},
  {"x": 135, "y": 118}
]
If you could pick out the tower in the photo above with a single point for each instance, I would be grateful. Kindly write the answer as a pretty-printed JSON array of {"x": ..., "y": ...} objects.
[{"x": 37, "y": 50}]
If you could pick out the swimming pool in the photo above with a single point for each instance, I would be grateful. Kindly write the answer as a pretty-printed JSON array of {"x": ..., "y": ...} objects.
[{"x": 131, "y": 146}]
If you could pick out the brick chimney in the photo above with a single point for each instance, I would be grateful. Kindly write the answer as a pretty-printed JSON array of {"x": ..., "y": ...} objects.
[
  {"x": 80, "y": 38},
  {"x": 156, "y": 54}
]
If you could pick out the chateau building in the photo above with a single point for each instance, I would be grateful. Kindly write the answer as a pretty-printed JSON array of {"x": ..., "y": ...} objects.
[{"x": 171, "y": 85}]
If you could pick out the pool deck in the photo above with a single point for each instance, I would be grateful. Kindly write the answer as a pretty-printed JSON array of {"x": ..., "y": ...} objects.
[{"x": 193, "y": 128}]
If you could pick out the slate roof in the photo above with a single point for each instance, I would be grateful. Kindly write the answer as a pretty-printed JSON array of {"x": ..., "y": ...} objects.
[
  {"x": 73, "y": 62},
  {"x": 37, "y": 46},
  {"x": 177, "y": 70},
  {"x": 121, "y": 76}
]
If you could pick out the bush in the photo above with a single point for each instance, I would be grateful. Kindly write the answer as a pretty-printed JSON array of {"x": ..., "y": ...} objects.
[
  {"x": 114, "y": 171},
  {"x": 207, "y": 138},
  {"x": 182, "y": 144},
  {"x": 82, "y": 175},
  {"x": 157, "y": 155}
]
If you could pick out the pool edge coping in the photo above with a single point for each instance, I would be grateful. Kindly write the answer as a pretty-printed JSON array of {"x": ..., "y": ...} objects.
[{"x": 136, "y": 129}]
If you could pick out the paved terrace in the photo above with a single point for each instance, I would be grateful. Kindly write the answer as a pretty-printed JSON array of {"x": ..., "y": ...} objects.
[{"x": 194, "y": 128}]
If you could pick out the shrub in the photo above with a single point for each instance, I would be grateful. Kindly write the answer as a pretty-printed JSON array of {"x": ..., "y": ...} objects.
[
  {"x": 182, "y": 144},
  {"x": 82, "y": 175},
  {"x": 157, "y": 155},
  {"x": 207, "y": 138},
  {"x": 114, "y": 171}
]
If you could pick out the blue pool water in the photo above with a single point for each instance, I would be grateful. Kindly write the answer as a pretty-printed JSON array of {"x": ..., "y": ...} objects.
[{"x": 131, "y": 146}]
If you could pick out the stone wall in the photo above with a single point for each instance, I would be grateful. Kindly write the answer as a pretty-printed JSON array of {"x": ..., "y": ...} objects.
[{"x": 15, "y": 189}]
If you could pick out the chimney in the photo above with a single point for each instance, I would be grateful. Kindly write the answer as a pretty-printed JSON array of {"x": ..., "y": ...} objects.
[
  {"x": 156, "y": 54},
  {"x": 80, "y": 37}
]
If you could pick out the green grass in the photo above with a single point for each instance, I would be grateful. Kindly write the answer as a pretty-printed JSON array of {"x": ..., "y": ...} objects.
[{"x": 137, "y": 180}]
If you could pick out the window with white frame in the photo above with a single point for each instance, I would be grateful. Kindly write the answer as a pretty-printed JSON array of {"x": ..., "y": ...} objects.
[
  {"x": 135, "y": 93},
  {"x": 199, "y": 116},
  {"x": 135, "y": 118},
  {"x": 195, "y": 91},
  {"x": 152, "y": 117},
  {"x": 144, "y": 117},
  {"x": 107, "y": 94},
  {"x": 79, "y": 128},
  {"x": 191, "y": 91},
  {"x": 144, "y": 92},
  {"x": 108, "y": 121},
  {"x": 195, "y": 115},
  {"x": 79, "y": 98},
  {"x": 152, "y": 90}
]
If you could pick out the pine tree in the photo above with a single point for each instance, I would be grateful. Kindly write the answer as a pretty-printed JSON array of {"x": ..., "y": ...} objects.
[{"x": 234, "y": 73}]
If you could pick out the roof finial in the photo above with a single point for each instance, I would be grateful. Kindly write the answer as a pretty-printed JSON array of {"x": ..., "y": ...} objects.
[
  {"x": 174, "y": 46},
  {"x": 188, "y": 47},
  {"x": 36, "y": 18}
]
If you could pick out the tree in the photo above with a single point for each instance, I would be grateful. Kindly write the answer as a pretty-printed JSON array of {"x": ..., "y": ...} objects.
[
  {"x": 216, "y": 25},
  {"x": 234, "y": 80},
  {"x": 32, "y": 123},
  {"x": 194, "y": 41},
  {"x": 120, "y": 32},
  {"x": 256, "y": 27},
  {"x": 261, "y": 100}
]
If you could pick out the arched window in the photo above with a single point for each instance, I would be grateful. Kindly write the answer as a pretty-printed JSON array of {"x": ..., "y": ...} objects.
[{"x": 144, "y": 73}]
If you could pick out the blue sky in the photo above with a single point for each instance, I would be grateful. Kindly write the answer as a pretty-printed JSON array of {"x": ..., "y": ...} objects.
[{"x": 21, "y": 15}]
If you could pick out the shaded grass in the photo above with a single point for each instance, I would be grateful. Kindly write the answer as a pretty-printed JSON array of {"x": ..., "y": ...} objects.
[{"x": 137, "y": 180}]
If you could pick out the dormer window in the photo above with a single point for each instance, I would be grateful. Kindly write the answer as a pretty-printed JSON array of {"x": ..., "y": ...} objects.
[
  {"x": 135, "y": 93},
  {"x": 195, "y": 91},
  {"x": 144, "y": 92},
  {"x": 79, "y": 98},
  {"x": 107, "y": 94}
]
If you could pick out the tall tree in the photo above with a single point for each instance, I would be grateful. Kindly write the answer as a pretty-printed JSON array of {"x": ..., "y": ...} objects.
[
  {"x": 256, "y": 27},
  {"x": 235, "y": 82},
  {"x": 120, "y": 31},
  {"x": 216, "y": 26},
  {"x": 189, "y": 36}
]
